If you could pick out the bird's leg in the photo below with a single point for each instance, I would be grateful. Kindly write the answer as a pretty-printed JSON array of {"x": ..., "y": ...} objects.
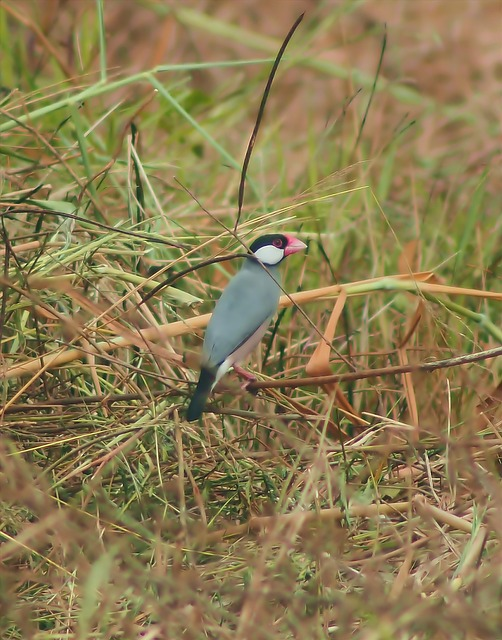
[{"x": 242, "y": 373}]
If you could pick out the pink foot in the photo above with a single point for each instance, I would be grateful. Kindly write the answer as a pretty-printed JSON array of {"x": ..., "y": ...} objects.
[{"x": 242, "y": 373}]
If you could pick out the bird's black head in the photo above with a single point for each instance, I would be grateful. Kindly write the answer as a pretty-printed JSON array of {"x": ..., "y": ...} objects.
[{"x": 272, "y": 248}]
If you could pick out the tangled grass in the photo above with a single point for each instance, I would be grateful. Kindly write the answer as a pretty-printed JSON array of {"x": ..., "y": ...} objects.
[{"x": 357, "y": 493}]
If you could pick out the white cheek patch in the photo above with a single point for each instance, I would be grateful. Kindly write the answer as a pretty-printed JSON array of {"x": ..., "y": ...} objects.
[{"x": 269, "y": 254}]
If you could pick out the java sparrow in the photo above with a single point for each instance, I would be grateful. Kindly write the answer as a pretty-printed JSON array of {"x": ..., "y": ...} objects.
[{"x": 242, "y": 314}]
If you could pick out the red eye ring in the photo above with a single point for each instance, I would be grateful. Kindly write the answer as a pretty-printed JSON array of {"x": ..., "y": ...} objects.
[{"x": 277, "y": 243}]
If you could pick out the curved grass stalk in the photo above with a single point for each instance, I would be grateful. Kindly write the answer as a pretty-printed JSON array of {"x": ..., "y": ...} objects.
[{"x": 419, "y": 286}]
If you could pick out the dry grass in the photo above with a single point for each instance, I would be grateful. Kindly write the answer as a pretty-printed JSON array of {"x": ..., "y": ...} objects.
[{"x": 357, "y": 495}]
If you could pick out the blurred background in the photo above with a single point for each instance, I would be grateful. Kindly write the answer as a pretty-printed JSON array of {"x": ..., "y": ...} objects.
[{"x": 447, "y": 52}]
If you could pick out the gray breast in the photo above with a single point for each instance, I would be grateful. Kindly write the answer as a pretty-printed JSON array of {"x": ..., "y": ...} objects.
[{"x": 249, "y": 300}]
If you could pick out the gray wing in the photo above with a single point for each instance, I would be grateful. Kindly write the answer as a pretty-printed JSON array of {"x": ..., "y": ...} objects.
[{"x": 249, "y": 300}]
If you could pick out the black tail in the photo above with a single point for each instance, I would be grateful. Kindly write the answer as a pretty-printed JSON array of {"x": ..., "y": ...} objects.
[{"x": 201, "y": 394}]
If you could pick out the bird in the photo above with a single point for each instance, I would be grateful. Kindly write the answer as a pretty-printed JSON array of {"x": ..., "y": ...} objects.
[{"x": 242, "y": 315}]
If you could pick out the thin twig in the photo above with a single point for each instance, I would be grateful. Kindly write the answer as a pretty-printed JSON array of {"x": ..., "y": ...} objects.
[
  {"x": 426, "y": 367},
  {"x": 259, "y": 117},
  {"x": 335, "y": 514}
]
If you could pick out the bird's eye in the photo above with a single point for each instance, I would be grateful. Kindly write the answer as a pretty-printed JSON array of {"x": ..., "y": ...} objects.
[{"x": 277, "y": 243}]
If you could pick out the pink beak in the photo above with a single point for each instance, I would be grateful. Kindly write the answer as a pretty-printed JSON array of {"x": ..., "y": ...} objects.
[{"x": 294, "y": 245}]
